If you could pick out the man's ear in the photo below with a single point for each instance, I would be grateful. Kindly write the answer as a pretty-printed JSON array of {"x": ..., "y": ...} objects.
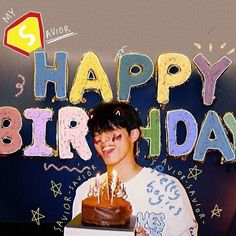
[{"x": 134, "y": 134}]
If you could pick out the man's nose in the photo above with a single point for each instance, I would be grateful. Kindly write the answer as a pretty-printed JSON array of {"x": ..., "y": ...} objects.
[{"x": 105, "y": 137}]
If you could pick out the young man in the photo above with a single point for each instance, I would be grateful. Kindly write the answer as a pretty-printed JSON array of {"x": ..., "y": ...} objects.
[{"x": 159, "y": 200}]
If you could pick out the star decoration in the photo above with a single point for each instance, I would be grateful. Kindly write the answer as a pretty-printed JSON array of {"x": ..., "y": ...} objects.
[
  {"x": 216, "y": 211},
  {"x": 153, "y": 162},
  {"x": 194, "y": 172},
  {"x": 37, "y": 216},
  {"x": 56, "y": 188}
]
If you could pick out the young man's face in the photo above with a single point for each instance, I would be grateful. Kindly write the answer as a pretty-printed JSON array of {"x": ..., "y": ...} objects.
[{"x": 114, "y": 146}]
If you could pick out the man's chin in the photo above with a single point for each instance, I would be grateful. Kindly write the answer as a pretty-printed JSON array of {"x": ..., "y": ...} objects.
[{"x": 110, "y": 164}]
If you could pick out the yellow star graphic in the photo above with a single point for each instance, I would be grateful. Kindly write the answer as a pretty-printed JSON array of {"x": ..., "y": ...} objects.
[
  {"x": 56, "y": 188},
  {"x": 37, "y": 216},
  {"x": 216, "y": 211},
  {"x": 194, "y": 172}
]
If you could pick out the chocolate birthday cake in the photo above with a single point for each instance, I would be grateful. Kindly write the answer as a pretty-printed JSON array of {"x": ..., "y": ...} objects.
[
  {"x": 104, "y": 213},
  {"x": 106, "y": 206}
]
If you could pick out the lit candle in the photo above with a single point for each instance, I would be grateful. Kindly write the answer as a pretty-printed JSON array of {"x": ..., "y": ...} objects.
[
  {"x": 108, "y": 190},
  {"x": 113, "y": 184},
  {"x": 97, "y": 184}
]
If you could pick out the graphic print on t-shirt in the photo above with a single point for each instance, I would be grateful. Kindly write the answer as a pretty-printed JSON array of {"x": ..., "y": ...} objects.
[{"x": 153, "y": 223}]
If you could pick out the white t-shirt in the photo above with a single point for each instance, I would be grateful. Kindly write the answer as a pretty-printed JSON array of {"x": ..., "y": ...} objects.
[{"x": 158, "y": 200}]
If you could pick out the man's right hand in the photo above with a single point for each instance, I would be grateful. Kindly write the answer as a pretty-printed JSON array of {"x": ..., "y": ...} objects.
[{"x": 139, "y": 231}]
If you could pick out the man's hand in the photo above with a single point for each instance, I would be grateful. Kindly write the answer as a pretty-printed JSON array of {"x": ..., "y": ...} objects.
[{"x": 139, "y": 231}]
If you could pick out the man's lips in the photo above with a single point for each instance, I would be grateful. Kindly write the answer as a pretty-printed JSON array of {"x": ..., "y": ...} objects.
[{"x": 108, "y": 150}]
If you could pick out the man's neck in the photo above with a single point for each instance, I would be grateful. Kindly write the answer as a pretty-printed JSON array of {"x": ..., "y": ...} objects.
[{"x": 126, "y": 169}]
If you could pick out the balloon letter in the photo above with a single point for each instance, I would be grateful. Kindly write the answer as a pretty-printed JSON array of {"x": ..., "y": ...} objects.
[
  {"x": 56, "y": 74},
  {"x": 210, "y": 75},
  {"x": 173, "y": 70},
  {"x": 72, "y": 130},
  {"x": 11, "y": 123},
  {"x": 173, "y": 117},
  {"x": 134, "y": 70},
  {"x": 153, "y": 133},
  {"x": 40, "y": 118},
  {"x": 230, "y": 122},
  {"x": 220, "y": 141},
  {"x": 90, "y": 76}
]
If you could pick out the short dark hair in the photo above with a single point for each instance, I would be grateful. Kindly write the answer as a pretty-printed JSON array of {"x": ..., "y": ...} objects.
[{"x": 106, "y": 116}]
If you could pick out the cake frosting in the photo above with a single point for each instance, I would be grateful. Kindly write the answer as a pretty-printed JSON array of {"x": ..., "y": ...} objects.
[{"x": 105, "y": 213}]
